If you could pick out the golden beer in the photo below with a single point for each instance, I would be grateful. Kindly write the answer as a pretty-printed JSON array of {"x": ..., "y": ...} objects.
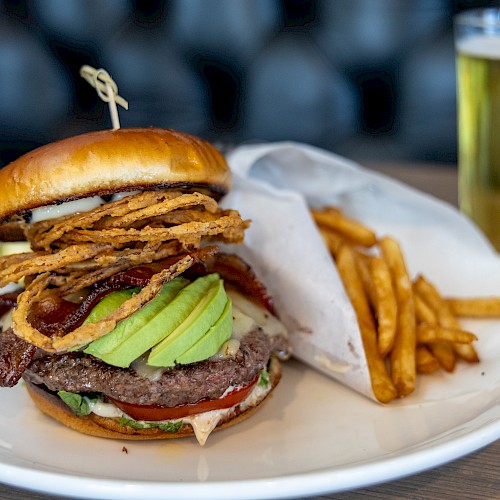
[{"x": 478, "y": 80}]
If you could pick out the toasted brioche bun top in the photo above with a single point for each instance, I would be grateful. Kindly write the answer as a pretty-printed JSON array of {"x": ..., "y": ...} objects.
[{"x": 111, "y": 161}]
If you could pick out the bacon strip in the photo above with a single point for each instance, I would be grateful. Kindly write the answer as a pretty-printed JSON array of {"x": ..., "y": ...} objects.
[
  {"x": 7, "y": 302},
  {"x": 15, "y": 356},
  {"x": 91, "y": 331},
  {"x": 239, "y": 274},
  {"x": 61, "y": 317}
]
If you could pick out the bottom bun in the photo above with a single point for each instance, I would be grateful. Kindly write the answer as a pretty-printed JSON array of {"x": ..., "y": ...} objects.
[{"x": 94, "y": 425}]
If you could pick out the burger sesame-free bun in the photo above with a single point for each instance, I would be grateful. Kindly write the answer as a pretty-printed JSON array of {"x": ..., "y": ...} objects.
[
  {"x": 111, "y": 161},
  {"x": 94, "y": 425}
]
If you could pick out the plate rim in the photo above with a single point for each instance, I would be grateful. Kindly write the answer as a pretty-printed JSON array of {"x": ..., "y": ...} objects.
[{"x": 405, "y": 462}]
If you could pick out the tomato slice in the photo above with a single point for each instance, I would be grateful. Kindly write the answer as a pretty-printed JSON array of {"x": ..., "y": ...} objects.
[{"x": 155, "y": 413}]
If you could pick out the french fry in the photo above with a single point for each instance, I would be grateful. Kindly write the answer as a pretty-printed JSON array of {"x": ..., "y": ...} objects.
[
  {"x": 328, "y": 209},
  {"x": 424, "y": 313},
  {"x": 444, "y": 353},
  {"x": 485, "y": 307},
  {"x": 382, "y": 386},
  {"x": 355, "y": 231},
  {"x": 445, "y": 317},
  {"x": 406, "y": 328},
  {"x": 403, "y": 365},
  {"x": 385, "y": 304},
  {"x": 363, "y": 265},
  {"x": 426, "y": 361},
  {"x": 428, "y": 334},
  {"x": 333, "y": 240},
  {"x": 433, "y": 298},
  {"x": 429, "y": 299},
  {"x": 466, "y": 352},
  {"x": 377, "y": 283}
]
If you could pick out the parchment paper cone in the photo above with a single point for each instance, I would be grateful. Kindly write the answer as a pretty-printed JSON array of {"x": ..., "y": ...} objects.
[{"x": 273, "y": 183}]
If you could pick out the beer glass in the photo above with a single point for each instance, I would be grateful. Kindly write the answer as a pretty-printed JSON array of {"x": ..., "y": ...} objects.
[{"x": 477, "y": 43}]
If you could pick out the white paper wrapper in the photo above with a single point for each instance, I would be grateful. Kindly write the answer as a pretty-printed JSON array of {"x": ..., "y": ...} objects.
[{"x": 274, "y": 183}]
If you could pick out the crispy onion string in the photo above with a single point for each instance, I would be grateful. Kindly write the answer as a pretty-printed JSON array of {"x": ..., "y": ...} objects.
[
  {"x": 188, "y": 233},
  {"x": 44, "y": 234},
  {"x": 40, "y": 263},
  {"x": 183, "y": 201},
  {"x": 77, "y": 282},
  {"x": 90, "y": 331},
  {"x": 73, "y": 252}
]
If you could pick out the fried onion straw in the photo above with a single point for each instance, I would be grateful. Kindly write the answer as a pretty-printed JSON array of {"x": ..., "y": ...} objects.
[
  {"x": 188, "y": 233},
  {"x": 119, "y": 213},
  {"x": 74, "y": 252},
  {"x": 183, "y": 201},
  {"x": 41, "y": 263},
  {"x": 78, "y": 282},
  {"x": 90, "y": 331}
]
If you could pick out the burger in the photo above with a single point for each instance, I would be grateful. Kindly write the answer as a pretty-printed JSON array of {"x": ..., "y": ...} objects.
[{"x": 126, "y": 316}]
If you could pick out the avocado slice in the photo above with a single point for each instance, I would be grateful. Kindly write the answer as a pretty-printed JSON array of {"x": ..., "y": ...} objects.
[
  {"x": 212, "y": 341},
  {"x": 136, "y": 334},
  {"x": 129, "y": 326},
  {"x": 199, "y": 321},
  {"x": 109, "y": 303}
]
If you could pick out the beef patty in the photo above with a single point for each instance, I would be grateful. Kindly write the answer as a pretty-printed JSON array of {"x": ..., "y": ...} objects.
[{"x": 80, "y": 373}]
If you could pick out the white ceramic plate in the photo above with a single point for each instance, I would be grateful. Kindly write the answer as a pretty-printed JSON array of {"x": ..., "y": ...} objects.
[{"x": 314, "y": 436}]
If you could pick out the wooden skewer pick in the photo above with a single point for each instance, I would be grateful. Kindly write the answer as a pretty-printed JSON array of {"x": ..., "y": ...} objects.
[{"x": 106, "y": 89}]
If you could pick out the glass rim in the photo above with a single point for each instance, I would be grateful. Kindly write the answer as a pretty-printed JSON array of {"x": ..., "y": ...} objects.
[{"x": 487, "y": 17}]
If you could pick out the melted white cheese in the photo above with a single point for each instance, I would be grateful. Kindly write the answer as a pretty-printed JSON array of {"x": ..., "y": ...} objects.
[
  {"x": 269, "y": 323},
  {"x": 246, "y": 316},
  {"x": 228, "y": 349},
  {"x": 119, "y": 196},
  {"x": 14, "y": 247},
  {"x": 242, "y": 323},
  {"x": 152, "y": 373},
  {"x": 67, "y": 208},
  {"x": 9, "y": 288},
  {"x": 204, "y": 423},
  {"x": 74, "y": 207},
  {"x": 107, "y": 410},
  {"x": 6, "y": 320}
]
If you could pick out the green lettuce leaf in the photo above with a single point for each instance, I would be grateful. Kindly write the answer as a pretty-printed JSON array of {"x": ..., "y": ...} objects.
[
  {"x": 77, "y": 403},
  {"x": 264, "y": 378},
  {"x": 172, "y": 427}
]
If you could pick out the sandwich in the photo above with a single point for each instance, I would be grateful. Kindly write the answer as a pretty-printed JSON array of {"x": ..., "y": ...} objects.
[{"x": 128, "y": 317}]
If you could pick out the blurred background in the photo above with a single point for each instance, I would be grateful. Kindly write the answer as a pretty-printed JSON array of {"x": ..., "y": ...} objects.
[{"x": 372, "y": 80}]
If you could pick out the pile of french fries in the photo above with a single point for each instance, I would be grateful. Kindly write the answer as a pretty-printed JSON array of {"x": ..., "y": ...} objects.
[{"x": 407, "y": 326}]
